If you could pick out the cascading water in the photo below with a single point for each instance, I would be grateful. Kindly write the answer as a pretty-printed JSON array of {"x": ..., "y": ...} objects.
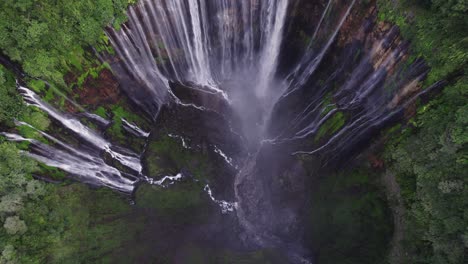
[
  {"x": 335, "y": 94},
  {"x": 87, "y": 166},
  {"x": 126, "y": 157},
  {"x": 205, "y": 43}
]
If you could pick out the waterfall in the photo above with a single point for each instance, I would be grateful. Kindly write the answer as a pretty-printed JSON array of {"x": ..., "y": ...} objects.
[
  {"x": 126, "y": 157},
  {"x": 274, "y": 35},
  {"x": 201, "y": 42},
  {"x": 86, "y": 166},
  {"x": 232, "y": 48},
  {"x": 134, "y": 129},
  {"x": 311, "y": 59},
  {"x": 86, "y": 162}
]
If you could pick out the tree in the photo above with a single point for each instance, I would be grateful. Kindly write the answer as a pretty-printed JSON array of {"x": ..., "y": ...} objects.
[
  {"x": 11, "y": 105},
  {"x": 451, "y": 7},
  {"x": 434, "y": 156},
  {"x": 14, "y": 225},
  {"x": 11, "y": 203},
  {"x": 42, "y": 35},
  {"x": 15, "y": 170}
]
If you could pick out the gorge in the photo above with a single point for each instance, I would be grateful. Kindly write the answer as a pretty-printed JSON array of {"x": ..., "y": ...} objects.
[{"x": 235, "y": 131}]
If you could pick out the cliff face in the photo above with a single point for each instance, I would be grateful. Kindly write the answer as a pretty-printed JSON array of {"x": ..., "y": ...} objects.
[
  {"x": 352, "y": 79},
  {"x": 271, "y": 185},
  {"x": 254, "y": 134}
]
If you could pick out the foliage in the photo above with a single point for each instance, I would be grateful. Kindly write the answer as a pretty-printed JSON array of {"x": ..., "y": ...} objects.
[
  {"x": 14, "y": 178},
  {"x": 91, "y": 71},
  {"x": 349, "y": 223},
  {"x": 331, "y": 125},
  {"x": 431, "y": 165},
  {"x": 69, "y": 224},
  {"x": 430, "y": 156},
  {"x": 349, "y": 220},
  {"x": 41, "y": 222},
  {"x": 11, "y": 106},
  {"x": 180, "y": 203},
  {"x": 167, "y": 155},
  {"x": 117, "y": 130},
  {"x": 196, "y": 254},
  {"x": 17, "y": 188},
  {"x": 56, "y": 223},
  {"x": 47, "y": 37},
  {"x": 39, "y": 122},
  {"x": 328, "y": 104},
  {"x": 437, "y": 31},
  {"x": 101, "y": 111},
  {"x": 14, "y": 225}
]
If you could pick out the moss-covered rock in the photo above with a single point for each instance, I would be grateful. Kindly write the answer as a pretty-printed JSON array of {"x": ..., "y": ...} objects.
[
  {"x": 196, "y": 254},
  {"x": 349, "y": 219},
  {"x": 167, "y": 156},
  {"x": 184, "y": 202}
]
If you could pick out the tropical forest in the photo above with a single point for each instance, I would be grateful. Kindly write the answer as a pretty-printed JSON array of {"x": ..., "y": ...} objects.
[{"x": 234, "y": 131}]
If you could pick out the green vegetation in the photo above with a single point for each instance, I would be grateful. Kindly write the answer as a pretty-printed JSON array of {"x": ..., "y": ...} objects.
[
  {"x": 332, "y": 125},
  {"x": 55, "y": 223},
  {"x": 12, "y": 108},
  {"x": 349, "y": 217},
  {"x": 52, "y": 173},
  {"x": 198, "y": 255},
  {"x": 429, "y": 156},
  {"x": 349, "y": 220},
  {"x": 38, "y": 121},
  {"x": 181, "y": 204},
  {"x": 64, "y": 224},
  {"x": 101, "y": 111},
  {"x": 11, "y": 105},
  {"x": 116, "y": 130},
  {"x": 44, "y": 222},
  {"x": 327, "y": 101},
  {"x": 437, "y": 31},
  {"x": 167, "y": 156},
  {"x": 49, "y": 37},
  {"x": 92, "y": 71},
  {"x": 431, "y": 163}
]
